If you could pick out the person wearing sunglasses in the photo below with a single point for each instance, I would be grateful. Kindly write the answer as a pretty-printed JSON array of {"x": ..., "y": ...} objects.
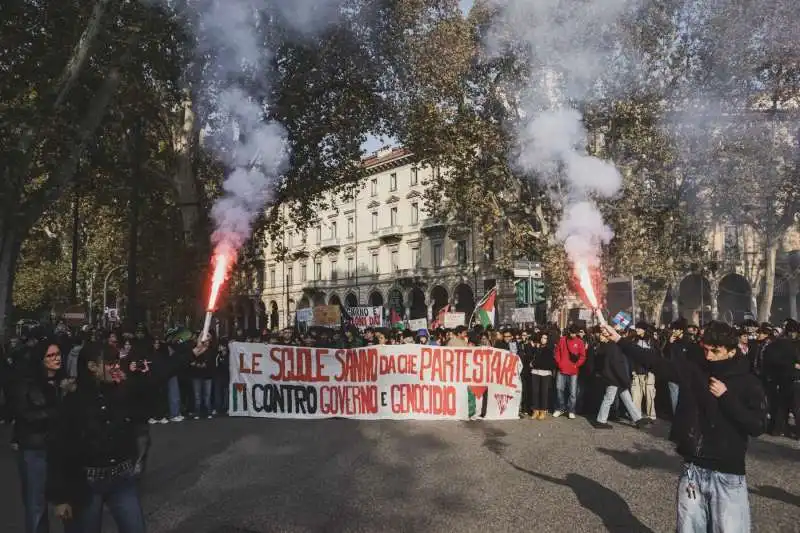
[
  {"x": 721, "y": 405},
  {"x": 36, "y": 397}
]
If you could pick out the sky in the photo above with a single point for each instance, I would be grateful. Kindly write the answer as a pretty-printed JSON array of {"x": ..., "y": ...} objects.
[{"x": 373, "y": 143}]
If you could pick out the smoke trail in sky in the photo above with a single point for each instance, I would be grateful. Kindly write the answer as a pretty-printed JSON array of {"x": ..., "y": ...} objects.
[{"x": 569, "y": 45}]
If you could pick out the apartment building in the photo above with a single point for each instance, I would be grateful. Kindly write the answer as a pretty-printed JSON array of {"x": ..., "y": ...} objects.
[{"x": 380, "y": 247}]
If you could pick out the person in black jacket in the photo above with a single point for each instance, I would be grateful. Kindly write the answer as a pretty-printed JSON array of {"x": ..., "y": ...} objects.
[
  {"x": 525, "y": 351},
  {"x": 37, "y": 393},
  {"x": 616, "y": 375},
  {"x": 780, "y": 375},
  {"x": 543, "y": 367},
  {"x": 93, "y": 453},
  {"x": 202, "y": 371},
  {"x": 720, "y": 406}
]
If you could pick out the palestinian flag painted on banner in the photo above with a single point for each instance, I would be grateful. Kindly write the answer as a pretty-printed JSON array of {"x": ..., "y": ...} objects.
[
  {"x": 396, "y": 320},
  {"x": 485, "y": 311}
]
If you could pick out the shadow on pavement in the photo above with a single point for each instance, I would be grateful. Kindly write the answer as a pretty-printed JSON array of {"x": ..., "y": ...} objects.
[
  {"x": 650, "y": 458},
  {"x": 768, "y": 450},
  {"x": 776, "y": 493},
  {"x": 357, "y": 477},
  {"x": 609, "y": 506}
]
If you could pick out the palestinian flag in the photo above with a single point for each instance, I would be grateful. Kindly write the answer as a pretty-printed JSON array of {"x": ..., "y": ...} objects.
[
  {"x": 484, "y": 311},
  {"x": 396, "y": 320}
]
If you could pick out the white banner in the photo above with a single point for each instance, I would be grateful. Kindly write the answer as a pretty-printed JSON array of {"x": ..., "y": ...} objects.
[
  {"x": 366, "y": 317},
  {"x": 407, "y": 381}
]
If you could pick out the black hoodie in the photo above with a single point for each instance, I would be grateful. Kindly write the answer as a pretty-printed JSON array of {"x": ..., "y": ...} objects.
[{"x": 710, "y": 432}]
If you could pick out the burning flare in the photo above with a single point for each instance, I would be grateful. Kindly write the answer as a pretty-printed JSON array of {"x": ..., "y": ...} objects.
[
  {"x": 585, "y": 280},
  {"x": 222, "y": 262}
]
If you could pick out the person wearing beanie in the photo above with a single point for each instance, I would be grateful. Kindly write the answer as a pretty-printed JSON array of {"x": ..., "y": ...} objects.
[{"x": 721, "y": 405}]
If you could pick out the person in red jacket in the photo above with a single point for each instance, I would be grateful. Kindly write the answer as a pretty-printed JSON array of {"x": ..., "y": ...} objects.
[{"x": 570, "y": 355}]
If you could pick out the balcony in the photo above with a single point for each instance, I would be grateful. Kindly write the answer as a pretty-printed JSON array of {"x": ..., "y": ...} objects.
[
  {"x": 315, "y": 285},
  {"x": 331, "y": 244},
  {"x": 394, "y": 232},
  {"x": 433, "y": 226}
]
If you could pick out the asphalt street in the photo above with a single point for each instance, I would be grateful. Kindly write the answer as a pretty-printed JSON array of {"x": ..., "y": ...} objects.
[{"x": 252, "y": 475}]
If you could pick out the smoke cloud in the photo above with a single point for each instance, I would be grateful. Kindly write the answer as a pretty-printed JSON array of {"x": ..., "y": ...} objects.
[
  {"x": 232, "y": 47},
  {"x": 569, "y": 45}
]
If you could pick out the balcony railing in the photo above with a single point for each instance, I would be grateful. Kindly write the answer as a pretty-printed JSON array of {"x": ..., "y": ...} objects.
[
  {"x": 330, "y": 243},
  {"x": 391, "y": 231}
]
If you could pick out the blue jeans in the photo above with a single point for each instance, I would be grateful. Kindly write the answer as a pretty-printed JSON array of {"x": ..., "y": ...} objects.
[
  {"x": 710, "y": 501},
  {"x": 608, "y": 400},
  {"x": 122, "y": 497},
  {"x": 173, "y": 397},
  {"x": 221, "y": 393},
  {"x": 562, "y": 382},
  {"x": 32, "y": 466},
  {"x": 202, "y": 395},
  {"x": 673, "y": 395}
]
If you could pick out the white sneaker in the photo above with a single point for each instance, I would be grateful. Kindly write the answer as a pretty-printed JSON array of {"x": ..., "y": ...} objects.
[
  {"x": 557, "y": 413},
  {"x": 178, "y": 418},
  {"x": 210, "y": 417},
  {"x": 163, "y": 421},
  {"x": 152, "y": 421},
  {"x": 572, "y": 416}
]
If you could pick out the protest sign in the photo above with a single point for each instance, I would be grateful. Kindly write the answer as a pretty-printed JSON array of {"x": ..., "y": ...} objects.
[
  {"x": 303, "y": 316},
  {"x": 418, "y": 324},
  {"x": 622, "y": 319},
  {"x": 453, "y": 320},
  {"x": 407, "y": 381},
  {"x": 523, "y": 315},
  {"x": 327, "y": 315},
  {"x": 366, "y": 317}
]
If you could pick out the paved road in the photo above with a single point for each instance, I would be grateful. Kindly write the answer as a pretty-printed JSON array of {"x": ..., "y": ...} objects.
[{"x": 246, "y": 476}]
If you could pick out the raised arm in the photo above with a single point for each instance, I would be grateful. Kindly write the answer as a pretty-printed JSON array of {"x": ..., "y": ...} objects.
[
  {"x": 651, "y": 359},
  {"x": 169, "y": 366}
]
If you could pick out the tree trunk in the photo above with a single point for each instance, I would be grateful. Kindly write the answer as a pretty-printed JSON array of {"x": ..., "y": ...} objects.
[
  {"x": 10, "y": 243},
  {"x": 658, "y": 306},
  {"x": 184, "y": 178},
  {"x": 765, "y": 307}
]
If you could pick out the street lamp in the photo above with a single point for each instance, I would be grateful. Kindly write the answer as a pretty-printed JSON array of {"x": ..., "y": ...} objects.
[{"x": 105, "y": 292}]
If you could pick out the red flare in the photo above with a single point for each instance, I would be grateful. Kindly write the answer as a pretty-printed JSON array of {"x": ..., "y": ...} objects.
[
  {"x": 222, "y": 263},
  {"x": 585, "y": 282}
]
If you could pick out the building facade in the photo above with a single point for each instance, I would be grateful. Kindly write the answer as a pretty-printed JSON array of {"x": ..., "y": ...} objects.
[{"x": 380, "y": 247}]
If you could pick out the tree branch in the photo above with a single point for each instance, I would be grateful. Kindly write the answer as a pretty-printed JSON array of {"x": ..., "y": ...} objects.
[
  {"x": 61, "y": 180},
  {"x": 72, "y": 71}
]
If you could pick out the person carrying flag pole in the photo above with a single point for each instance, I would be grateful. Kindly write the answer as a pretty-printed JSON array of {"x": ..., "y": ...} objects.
[{"x": 485, "y": 310}]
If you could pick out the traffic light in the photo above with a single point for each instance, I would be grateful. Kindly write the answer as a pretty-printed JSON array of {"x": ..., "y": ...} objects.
[
  {"x": 521, "y": 291},
  {"x": 538, "y": 291}
]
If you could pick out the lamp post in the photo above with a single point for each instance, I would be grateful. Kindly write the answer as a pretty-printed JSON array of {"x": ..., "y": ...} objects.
[{"x": 105, "y": 292}]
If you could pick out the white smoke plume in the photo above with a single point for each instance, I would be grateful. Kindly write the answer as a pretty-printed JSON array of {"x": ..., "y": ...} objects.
[
  {"x": 570, "y": 44},
  {"x": 231, "y": 44}
]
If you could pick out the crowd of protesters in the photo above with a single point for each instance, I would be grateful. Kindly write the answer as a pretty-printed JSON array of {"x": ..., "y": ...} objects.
[{"x": 81, "y": 404}]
